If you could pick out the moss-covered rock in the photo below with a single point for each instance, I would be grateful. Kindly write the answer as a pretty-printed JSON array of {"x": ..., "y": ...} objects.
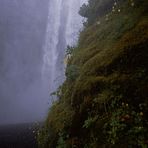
[{"x": 103, "y": 102}]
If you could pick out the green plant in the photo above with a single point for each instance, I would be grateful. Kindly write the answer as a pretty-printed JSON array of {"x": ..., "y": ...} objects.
[
  {"x": 126, "y": 122},
  {"x": 90, "y": 121},
  {"x": 69, "y": 50},
  {"x": 72, "y": 72},
  {"x": 61, "y": 141}
]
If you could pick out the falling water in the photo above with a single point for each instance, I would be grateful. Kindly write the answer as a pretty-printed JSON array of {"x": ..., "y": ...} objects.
[{"x": 64, "y": 24}]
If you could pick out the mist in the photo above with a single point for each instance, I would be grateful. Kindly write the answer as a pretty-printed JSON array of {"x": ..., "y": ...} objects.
[
  {"x": 34, "y": 35},
  {"x": 22, "y": 34}
]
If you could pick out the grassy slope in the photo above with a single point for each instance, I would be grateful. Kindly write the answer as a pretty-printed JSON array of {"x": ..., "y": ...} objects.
[{"x": 104, "y": 98}]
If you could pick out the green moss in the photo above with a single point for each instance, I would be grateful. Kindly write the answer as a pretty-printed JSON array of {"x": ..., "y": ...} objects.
[{"x": 108, "y": 72}]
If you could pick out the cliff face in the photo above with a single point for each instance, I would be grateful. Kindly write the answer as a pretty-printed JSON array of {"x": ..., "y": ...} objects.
[{"x": 103, "y": 102}]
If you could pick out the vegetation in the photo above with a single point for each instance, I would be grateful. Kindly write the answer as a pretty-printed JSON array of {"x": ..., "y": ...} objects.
[{"x": 103, "y": 101}]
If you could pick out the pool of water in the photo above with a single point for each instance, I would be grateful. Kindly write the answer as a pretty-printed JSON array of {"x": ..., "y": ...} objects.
[{"x": 19, "y": 135}]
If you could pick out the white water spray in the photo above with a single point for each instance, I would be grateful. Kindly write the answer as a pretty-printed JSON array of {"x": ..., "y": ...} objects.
[{"x": 64, "y": 24}]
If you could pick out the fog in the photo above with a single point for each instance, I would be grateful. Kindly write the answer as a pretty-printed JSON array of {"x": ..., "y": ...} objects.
[
  {"x": 33, "y": 38},
  {"x": 22, "y": 35}
]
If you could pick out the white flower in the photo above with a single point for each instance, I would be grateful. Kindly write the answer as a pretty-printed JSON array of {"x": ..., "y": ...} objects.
[
  {"x": 98, "y": 22},
  {"x": 132, "y": 4}
]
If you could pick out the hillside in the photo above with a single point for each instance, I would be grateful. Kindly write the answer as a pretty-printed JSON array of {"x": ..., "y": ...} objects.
[{"x": 103, "y": 101}]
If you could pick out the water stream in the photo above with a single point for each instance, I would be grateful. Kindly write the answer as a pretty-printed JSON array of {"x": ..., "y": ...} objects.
[{"x": 64, "y": 24}]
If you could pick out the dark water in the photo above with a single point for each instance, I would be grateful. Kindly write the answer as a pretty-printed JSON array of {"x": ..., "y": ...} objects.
[{"x": 19, "y": 136}]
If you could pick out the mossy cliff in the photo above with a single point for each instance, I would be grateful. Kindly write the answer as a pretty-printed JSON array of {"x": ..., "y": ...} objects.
[{"x": 104, "y": 99}]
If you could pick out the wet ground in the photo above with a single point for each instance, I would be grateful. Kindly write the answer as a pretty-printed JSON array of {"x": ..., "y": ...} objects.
[{"x": 19, "y": 135}]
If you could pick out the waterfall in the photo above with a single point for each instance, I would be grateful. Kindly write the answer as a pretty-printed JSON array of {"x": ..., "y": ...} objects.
[
  {"x": 64, "y": 24},
  {"x": 74, "y": 23}
]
